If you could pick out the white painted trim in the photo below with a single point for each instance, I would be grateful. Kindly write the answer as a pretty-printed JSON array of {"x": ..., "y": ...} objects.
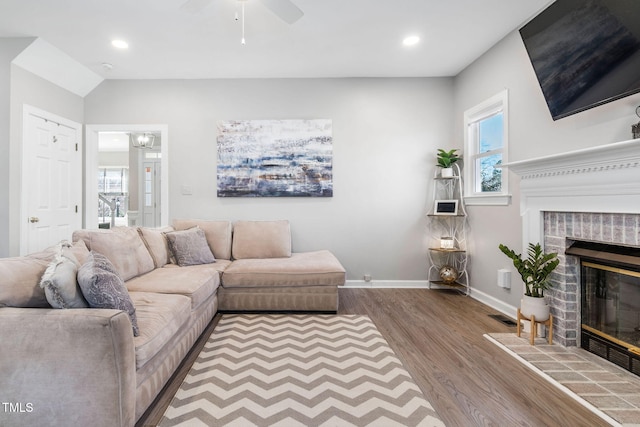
[
  {"x": 27, "y": 111},
  {"x": 602, "y": 179},
  {"x": 482, "y": 297},
  {"x": 91, "y": 167},
  {"x": 493, "y": 302},
  {"x": 497, "y": 103},
  {"x": 385, "y": 284},
  {"x": 489, "y": 200}
]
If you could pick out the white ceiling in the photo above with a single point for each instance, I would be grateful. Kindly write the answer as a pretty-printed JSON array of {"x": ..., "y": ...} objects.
[
  {"x": 334, "y": 38},
  {"x": 118, "y": 141},
  {"x": 113, "y": 141}
]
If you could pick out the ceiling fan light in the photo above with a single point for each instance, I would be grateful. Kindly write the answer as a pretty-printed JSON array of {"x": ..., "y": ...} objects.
[
  {"x": 411, "y": 41},
  {"x": 120, "y": 44}
]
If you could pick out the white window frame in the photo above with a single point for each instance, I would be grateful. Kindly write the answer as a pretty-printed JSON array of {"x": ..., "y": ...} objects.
[{"x": 495, "y": 104}]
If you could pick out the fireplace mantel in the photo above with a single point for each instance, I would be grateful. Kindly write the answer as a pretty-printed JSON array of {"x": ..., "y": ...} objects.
[
  {"x": 591, "y": 194},
  {"x": 604, "y": 179}
]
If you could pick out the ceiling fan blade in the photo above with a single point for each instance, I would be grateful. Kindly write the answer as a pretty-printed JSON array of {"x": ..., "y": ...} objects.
[
  {"x": 285, "y": 9},
  {"x": 195, "y": 6}
]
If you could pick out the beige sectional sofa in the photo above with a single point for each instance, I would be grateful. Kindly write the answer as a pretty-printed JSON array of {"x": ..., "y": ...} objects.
[{"x": 84, "y": 366}]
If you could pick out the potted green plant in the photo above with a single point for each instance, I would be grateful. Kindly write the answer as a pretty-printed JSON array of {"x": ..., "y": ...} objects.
[
  {"x": 445, "y": 160},
  {"x": 535, "y": 272}
]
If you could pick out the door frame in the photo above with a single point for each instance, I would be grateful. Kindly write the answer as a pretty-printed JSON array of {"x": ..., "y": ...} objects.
[
  {"x": 91, "y": 168},
  {"x": 29, "y": 110}
]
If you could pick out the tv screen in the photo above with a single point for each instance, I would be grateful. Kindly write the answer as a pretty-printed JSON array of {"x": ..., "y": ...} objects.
[{"x": 585, "y": 53}]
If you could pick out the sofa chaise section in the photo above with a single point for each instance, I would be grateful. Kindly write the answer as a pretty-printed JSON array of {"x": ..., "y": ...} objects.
[{"x": 266, "y": 275}]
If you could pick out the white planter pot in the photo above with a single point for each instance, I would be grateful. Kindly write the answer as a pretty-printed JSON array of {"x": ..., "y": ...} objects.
[
  {"x": 446, "y": 172},
  {"x": 536, "y": 306}
]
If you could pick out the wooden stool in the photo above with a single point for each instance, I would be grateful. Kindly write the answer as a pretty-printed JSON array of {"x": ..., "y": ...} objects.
[{"x": 548, "y": 323}]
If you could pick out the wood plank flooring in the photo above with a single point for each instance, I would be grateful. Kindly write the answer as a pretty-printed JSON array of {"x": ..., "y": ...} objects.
[{"x": 438, "y": 335}]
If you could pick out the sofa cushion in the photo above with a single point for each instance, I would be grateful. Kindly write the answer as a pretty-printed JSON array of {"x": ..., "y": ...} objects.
[
  {"x": 123, "y": 246},
  {"x": 320, "y": 268},
  {"x": 160, "y": 317},
  {"x": 102, "y": 287},
  {"x": 78, "y": 251},
  {"x": 156, "y": 243},
  {"x": 198, "y": 282},
  {"x": 190, "y": 247},
  {"x": 261, "y": 239},
  {"x": 218, "y": 234},
  {"x": 20, "y": 280},
  {"x": 60, "y": 280}
]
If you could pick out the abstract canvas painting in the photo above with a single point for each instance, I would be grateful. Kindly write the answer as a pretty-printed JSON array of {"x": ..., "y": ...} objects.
[{"x": 275, "y": 158}]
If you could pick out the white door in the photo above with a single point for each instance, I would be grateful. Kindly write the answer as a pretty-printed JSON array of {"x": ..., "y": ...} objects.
[
  {"x": 151, "y": 193},
  {"x": 51, "y": 180}
]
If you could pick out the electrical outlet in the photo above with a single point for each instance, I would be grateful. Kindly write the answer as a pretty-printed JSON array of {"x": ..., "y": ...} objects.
[
  {"x": 504, "y": 278},
  {"x": 367, "y": 277}
]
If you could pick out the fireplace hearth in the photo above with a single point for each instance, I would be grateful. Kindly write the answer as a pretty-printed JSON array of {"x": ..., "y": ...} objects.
[{"x": 610, "y": 302}]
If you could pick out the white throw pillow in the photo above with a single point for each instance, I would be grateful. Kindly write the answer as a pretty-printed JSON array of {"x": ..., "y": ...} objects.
[{"x": 60, "y": 280}]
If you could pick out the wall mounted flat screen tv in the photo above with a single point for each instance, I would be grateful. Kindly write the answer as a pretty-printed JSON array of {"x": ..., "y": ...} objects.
[{"x": 585, "y": 53}]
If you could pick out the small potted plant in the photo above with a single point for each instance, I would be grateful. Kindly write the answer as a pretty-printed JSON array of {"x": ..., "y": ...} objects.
[
  {"x": 535, "y": 272},
  {"x": 445, "y": 160}
]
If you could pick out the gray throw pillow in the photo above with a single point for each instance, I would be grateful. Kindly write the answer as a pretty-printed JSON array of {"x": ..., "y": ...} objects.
[
  {"x": 60, "y": 281},
  {"x": 104, "y": 288},
  {"x": 190, "y": 247}
]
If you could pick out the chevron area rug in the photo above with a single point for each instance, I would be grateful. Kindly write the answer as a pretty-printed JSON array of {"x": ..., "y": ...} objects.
[{"x": 298, "y": 370}]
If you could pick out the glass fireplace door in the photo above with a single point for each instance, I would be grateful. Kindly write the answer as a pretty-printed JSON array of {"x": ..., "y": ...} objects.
[{"x": 611, "y": 304}]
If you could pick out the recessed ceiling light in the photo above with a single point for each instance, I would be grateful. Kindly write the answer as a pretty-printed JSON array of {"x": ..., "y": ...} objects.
[
  {"x": 411, "y": 40},
  {"x": 120, "y": 44}
]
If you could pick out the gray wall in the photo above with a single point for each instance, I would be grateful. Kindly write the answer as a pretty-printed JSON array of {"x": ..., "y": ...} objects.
[
  {"x": 9, "y": 49},
  {"x": 532, "y": 133},
  {"x": 29, "y": 89},
  {"x": 385, "y": 135}
]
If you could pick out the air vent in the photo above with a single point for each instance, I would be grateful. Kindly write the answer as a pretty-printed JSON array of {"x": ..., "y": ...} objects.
[
  {"x": 611, "y": 352},
  {"x": 503, "y": 319},
  {"x": 594, "y": 346},
  {"x": 619, "y": 358}
]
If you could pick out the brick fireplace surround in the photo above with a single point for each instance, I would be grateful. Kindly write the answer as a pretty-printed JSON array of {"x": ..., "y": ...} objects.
[{"x": 591, "y": 194}]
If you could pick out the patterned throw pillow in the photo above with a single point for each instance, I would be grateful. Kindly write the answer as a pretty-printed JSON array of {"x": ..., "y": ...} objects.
[
  {"x": 60, "y": 282},
  {"x": 104, "y": 288},
  {"x": 190, "y": 247}
]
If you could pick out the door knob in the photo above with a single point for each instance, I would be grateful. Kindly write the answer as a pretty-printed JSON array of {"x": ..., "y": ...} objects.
[{"x": 33, "y": 219}]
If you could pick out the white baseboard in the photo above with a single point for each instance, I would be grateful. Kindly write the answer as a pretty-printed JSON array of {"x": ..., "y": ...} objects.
[
  {"x": 496, "y": 304},
  {"x": 381, "y": 284},
  {"x": 493, "y": 302}
]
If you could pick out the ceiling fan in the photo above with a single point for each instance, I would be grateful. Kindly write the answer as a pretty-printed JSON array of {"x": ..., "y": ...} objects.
[{"x": 284, "y": 9}]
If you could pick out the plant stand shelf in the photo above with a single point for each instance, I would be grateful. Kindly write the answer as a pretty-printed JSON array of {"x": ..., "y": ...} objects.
[
  {"x": 548, "y": 323},
  {"x": 449, "y": 227}
]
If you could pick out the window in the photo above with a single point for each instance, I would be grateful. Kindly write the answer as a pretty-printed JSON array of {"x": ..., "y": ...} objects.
[
  {"x": 113, "y": 196},
  {"x": 486, "y": 148},
  {"x": 113, "y": 180}
]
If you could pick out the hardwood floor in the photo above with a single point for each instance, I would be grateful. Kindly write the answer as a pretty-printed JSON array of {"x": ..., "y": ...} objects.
[{"x": 438, "y": 335}]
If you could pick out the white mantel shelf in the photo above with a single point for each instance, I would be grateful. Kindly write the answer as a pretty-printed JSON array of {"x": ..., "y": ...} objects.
[
  {"x": 619, "y": 155},
  {"x": 602, "y": 179}
]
